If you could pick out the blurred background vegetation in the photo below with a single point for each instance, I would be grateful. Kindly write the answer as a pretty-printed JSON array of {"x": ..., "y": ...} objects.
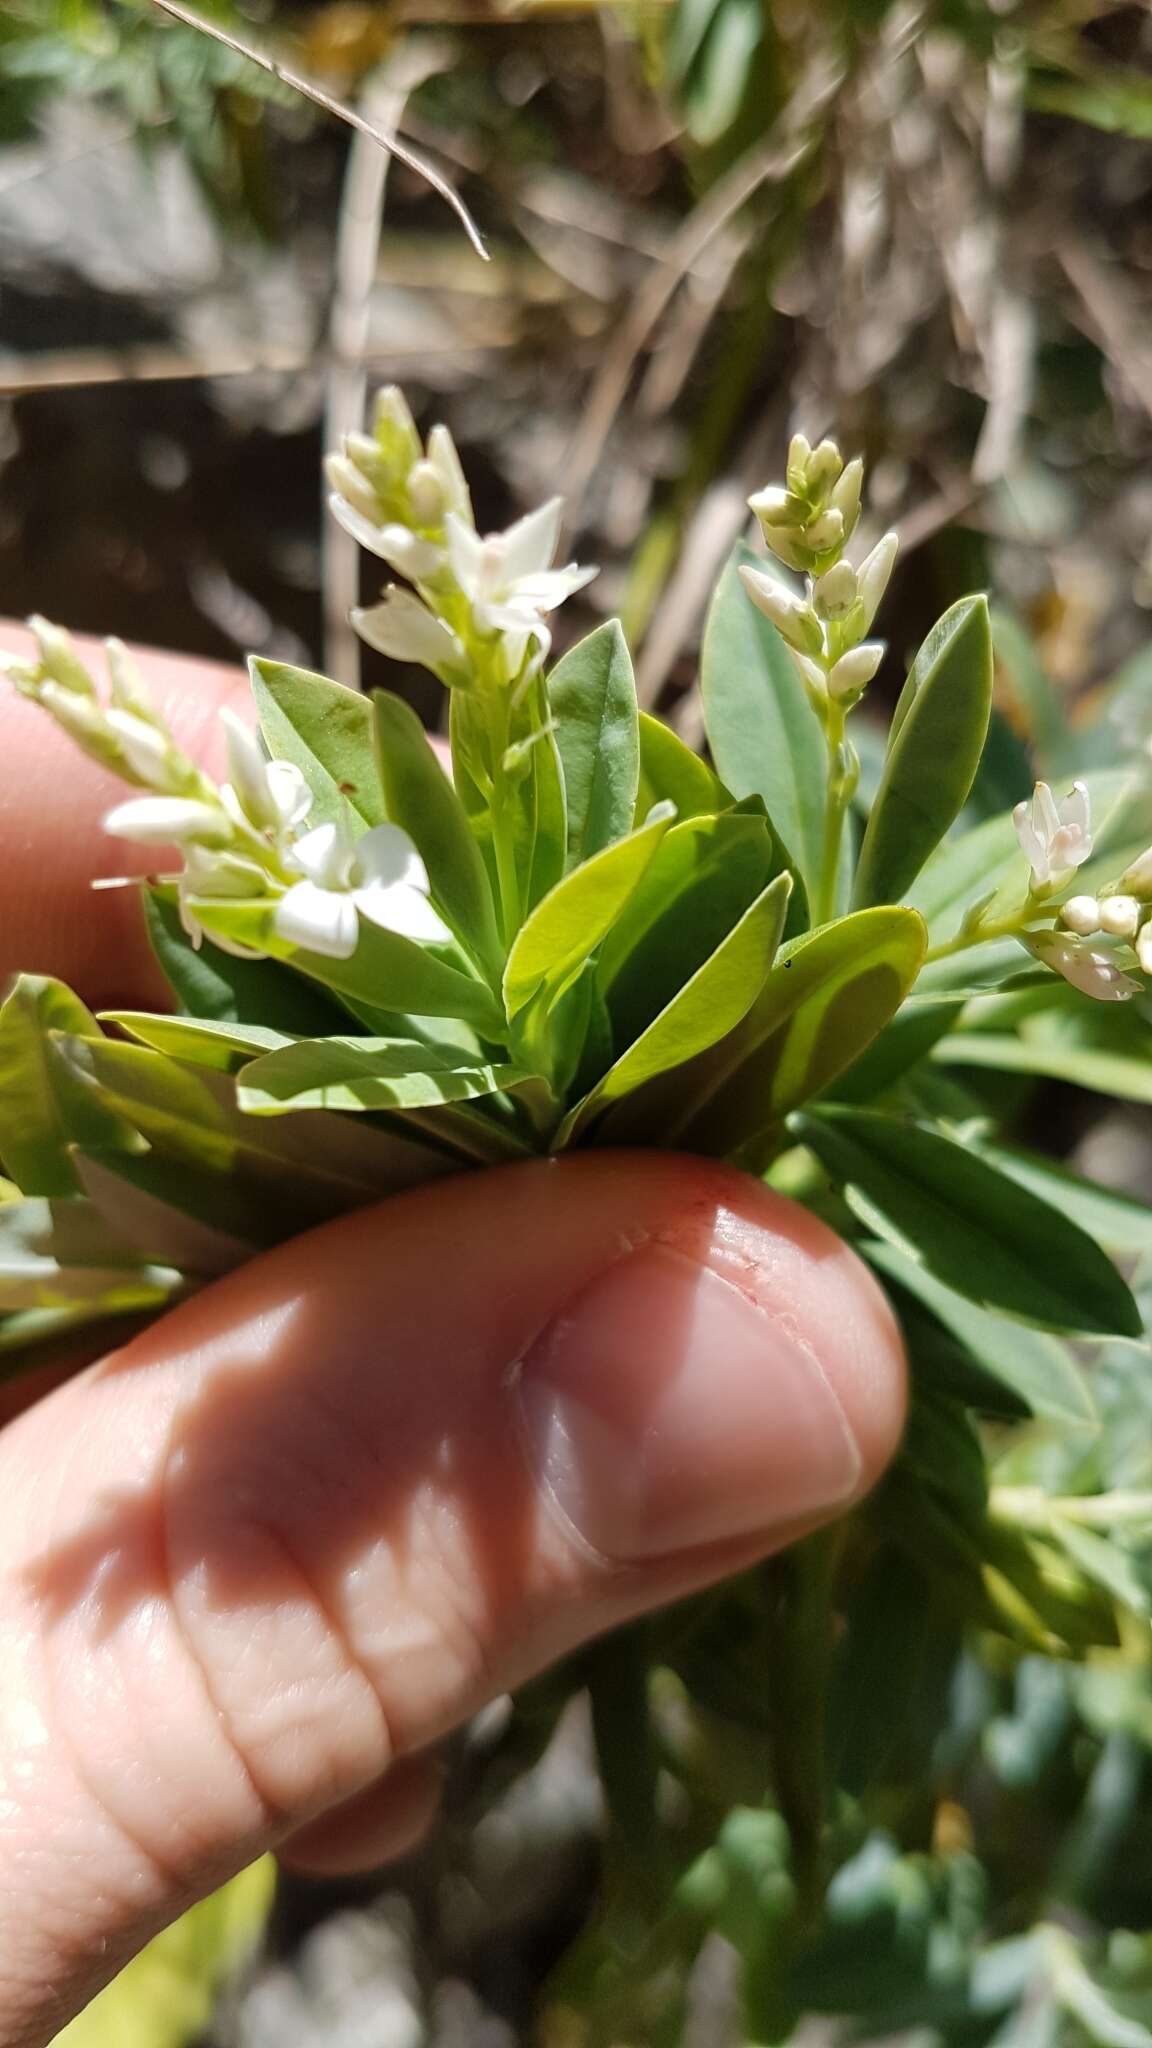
[{"x": 925, "y": 227}]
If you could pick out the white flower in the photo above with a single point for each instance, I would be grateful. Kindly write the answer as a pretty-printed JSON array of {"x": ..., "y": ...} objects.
[
  {"x": 380, "y": 877},
  {"x": 210, "y": 874},
  {"x": 404, "y": 628},
  {"x": 272, "y": 795},
  {"x": 1056, "y": 838},
  {"x": 169, "y": 821},
  {"x": 406, "y": 552},
  {"x": 873, "y": 574},
  {"x": 508, "y": 577},
  {"x": 1081, "y": 914},
  {"x": 1088, "y": 968}
]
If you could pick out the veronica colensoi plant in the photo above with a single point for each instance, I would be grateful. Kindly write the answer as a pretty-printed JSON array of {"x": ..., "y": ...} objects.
[{"x": 588, "y": 934}]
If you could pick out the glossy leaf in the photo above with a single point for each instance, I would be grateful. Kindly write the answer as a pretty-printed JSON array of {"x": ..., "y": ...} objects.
[
  {"x": 364, "y": 1073},
  {"x": 764, "y": 735},
  {"x": 710, "y": 1004},
  {"x": 326, "y": 730},
  {"x": 934, "y": 747},
  {"x": 207, "y": 982},
  {"x": 671, "y": 773},
  {"x": 56, "y": 1253},
  {"x": 1037, "y": 1366},
  {"x": 419, "y": 797},
  {"x": 42, "y": 1110},
  {"x": 164, "y": 1998},
  {"x": 984, "y": 1235},
  {"x": 592, "y": 694},
  {"x": 704, "y": 876},
  {"x": 565, "y": 929},
  {"x": 825, "y": 1000},
  {"x": 202, "y": 1041}
]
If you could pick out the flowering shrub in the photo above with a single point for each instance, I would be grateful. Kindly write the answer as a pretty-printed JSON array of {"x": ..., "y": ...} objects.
[{"x": 590, "y": 936}]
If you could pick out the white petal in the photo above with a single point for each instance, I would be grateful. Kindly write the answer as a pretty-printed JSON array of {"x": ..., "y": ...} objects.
[
  {"x": 320, "y": 920},
  {"x": 167, "y": 821},
  {"x": 1031, "y": 845},
  {"x": 446, "y": 462},
  {"x": 290, "y": 793},
  {"x": 399, "y": 908},
  {"x": 402, "y": 627},
  {"x": 529, "y": 545},
  {"x": 1076, "y": 809},
  {"x": 386, "y": 855},
  {"x": 465, "y": 554},
  {"x": 549, "y": 587},
  {"x": 323, "y": 855},
  {"x": 145, "y": 750},
  {"x": 1045, "y": 814}
]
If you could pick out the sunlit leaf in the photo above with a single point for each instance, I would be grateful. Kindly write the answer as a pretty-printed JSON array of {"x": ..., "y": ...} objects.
[
  {"x": 569, "y": 924},
  {"x": 42, "y": 1109},
  {"x": 592, "y": 694},
  {"x": 419, "y": 797},
  {"x": 326, "y": 731},
  {"x": 364, "y": 1073}
]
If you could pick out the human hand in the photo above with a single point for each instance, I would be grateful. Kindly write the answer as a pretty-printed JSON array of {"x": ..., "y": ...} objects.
[{"x": 254, "y": 1564}]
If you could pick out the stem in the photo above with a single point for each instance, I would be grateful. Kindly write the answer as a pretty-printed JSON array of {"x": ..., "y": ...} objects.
[
  {"x": 841, "y": 783},
  {"x": 979, "y": 935}
]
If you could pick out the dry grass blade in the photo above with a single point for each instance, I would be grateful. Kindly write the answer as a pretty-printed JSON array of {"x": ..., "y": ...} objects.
[{"x": 319, "y": 98}]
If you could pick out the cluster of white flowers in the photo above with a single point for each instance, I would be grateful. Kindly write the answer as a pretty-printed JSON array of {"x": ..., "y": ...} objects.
[
  {"x": 246, "y": 841},
  {"x": 1055, "y": 835},
  {"x": 806, "y": 524},
  {"x": 473, "y": 594}
]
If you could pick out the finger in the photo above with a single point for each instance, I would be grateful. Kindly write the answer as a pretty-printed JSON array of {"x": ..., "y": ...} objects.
[
  {"x": 327, "y": 1508},
  {"x": 52, "y": 843},
  {"x": 375, "y": 1827}
]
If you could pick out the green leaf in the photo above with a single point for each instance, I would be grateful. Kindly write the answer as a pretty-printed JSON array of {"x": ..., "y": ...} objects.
[
  {"x": 1118, "y": 1222},
  {"x": 128, "y": 1192},
  {"x": 294, "y": 1171},
  {"x": 54, "y": 1254},
  {"x": 565, "y": 929},
  {"x": 365, "y": 1073},
  {"x": 419, "y": 797},
  {"x": 1038, "y": 1367},
  {"x": 207, "y": 982},
  {"x": 42, "y": 1110},
  {"x": 385, "y": 970},
  {"x": 704, "y": 876},
  {"x": 826, "y": 998},
  {"x": 980, "y": 1233},
  {"x": 201, "y": 1041},
  {"x": 765, "y": 737},
  {"x": 934, "y": 747},
  {"x": 326, "y": 730},
  {"x": 709, "y": 1005},
  {"x": 671, "y": 773},
  {"x": 164, "y": 1998},
  {"x": 592, "y": 694}
]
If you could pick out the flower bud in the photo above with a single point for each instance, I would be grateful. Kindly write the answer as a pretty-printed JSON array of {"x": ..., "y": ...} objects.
[
  {"x": 799, "y": 456},
  {"x": 825, "y": 535},
  {"x": 789, "y": 614},
  {"x": 168, "y": 821},
  {"x": 1081, "y": 914},
  {"x": 775, "y": 507},
  {"x": 248, "y": 771},
  {"x": 811, "y": 675},
  {"x": 349, "y": 484},
  {"x": 450, "y": 470},
  {"x": 129, "y": 690},
  {"x": 835, "y": 593},
  {"x": 426, "y": 494},
  {"x": 873, "y": 574},
  {"x": 59, "y": 658},
  {"x": 1144, "y": 947},
  {"x": 81, "y": 717},
  {"x": 1119, "y": 916},
  {"x": 147, "y": 751},
  {"x": 823, "y": 468},
  {"x": 1137, "y": 880},
  {"x": 845, "y": 496},
  {"x": 395, "y": 429},
  {"x": 855, "y": 670}
]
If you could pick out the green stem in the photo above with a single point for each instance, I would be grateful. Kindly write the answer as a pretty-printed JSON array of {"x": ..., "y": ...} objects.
[
  {"x": 980, "y": 935},
  {"x": 841, "y": 783}
]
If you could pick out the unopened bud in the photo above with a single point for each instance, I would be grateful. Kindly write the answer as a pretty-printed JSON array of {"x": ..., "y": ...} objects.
[
  {"x": 789, "y": 614},
  {"x": 129, "y": 690},
  {"x": 823, "y": 468},
  {"x": 874, "y": 573},
  {"x": 835, "y": 593},
  {"x": 248, "y": 771},
  {"x": 855, "y": 670},
  {"x": 1119, "y": 916},
  {"x": 395, "y": 428},
  {"x": 1081, "y": 914},
  {"x": 147, "y": 752},
  {"x": 168, "y": 821},
  {"x": 811, "y": 675},
  {"x": 799, "y": 456},
  {"x": 845, "y": 497},
  {"x": 59, "y": 658},
  {"x": 348, "y": 482},
  {"x": 426, "y": 495},
  {"x": 823, "y": 536},
  {"x": 1144, "y": 947},
  {"x": 1137, "y": 879},
  {"x": 81, "y": 717},
  {"x": 775, "y": 507},
  {"x": 450, "y": 470}
]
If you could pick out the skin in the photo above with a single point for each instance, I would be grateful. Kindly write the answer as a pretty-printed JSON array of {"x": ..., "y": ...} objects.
[{"x": 256, "y": 1561}]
